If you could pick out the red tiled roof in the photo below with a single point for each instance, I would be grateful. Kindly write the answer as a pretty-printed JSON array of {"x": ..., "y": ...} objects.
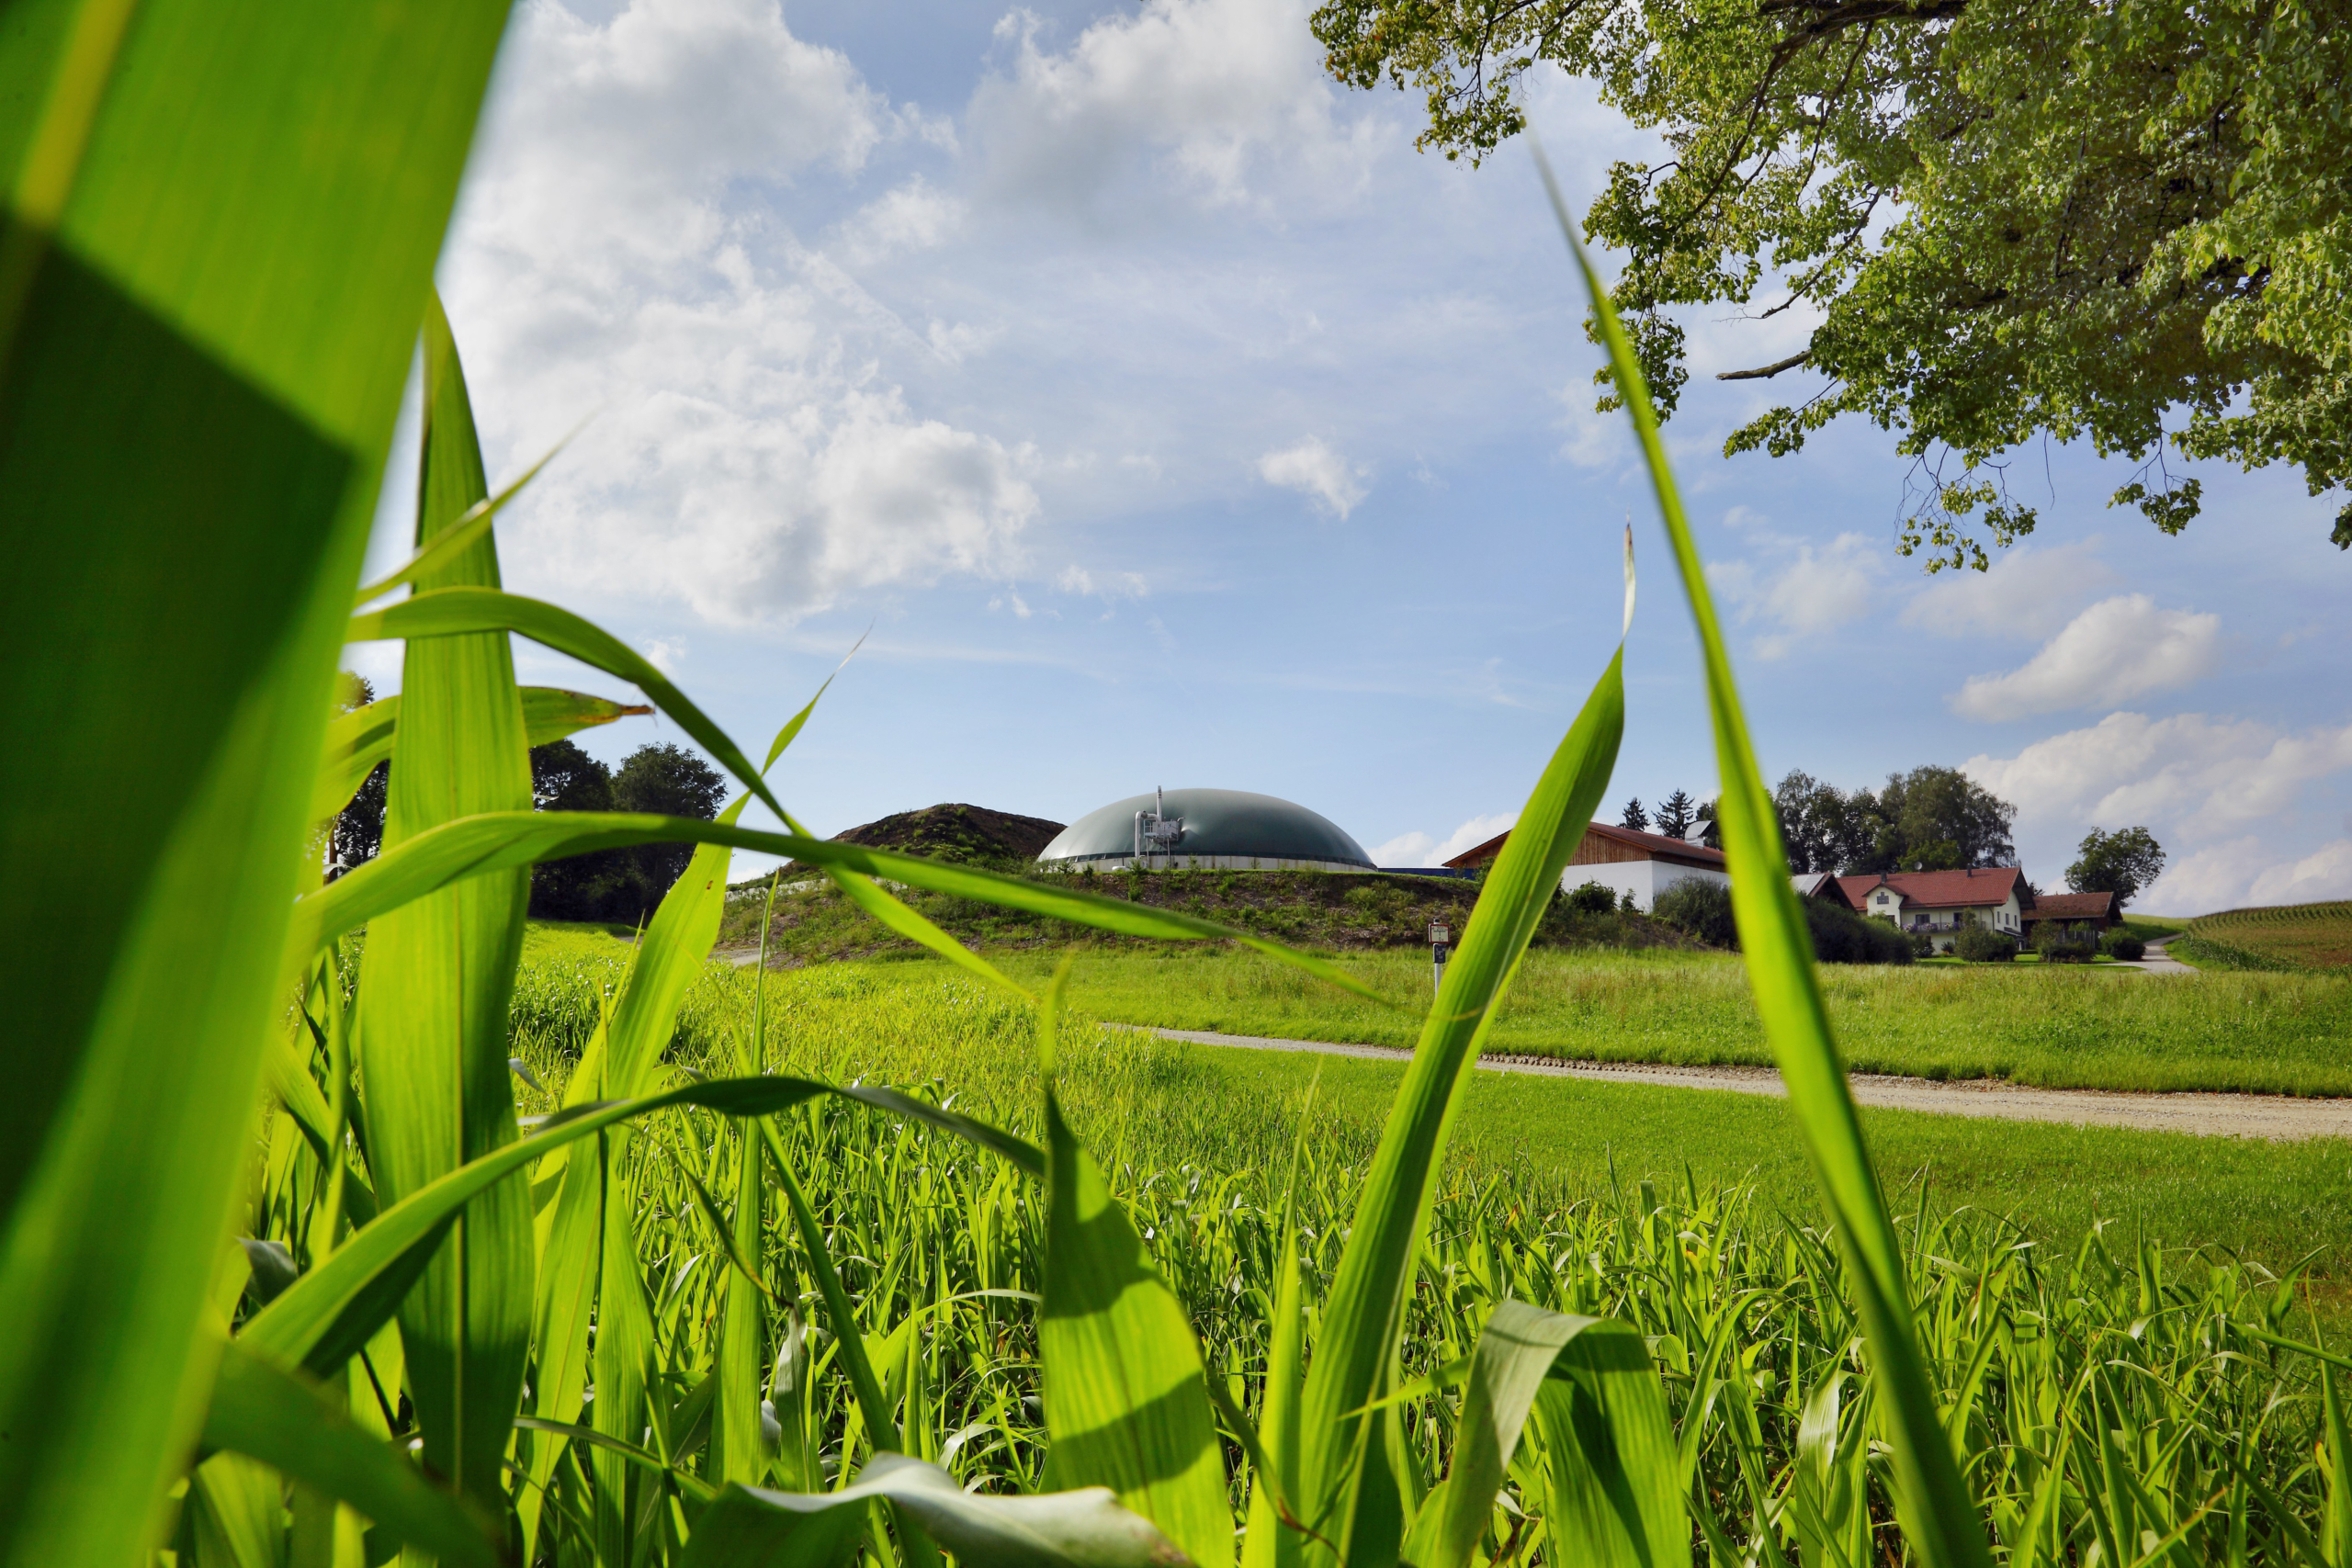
[
  {"x": 1655, "y": 843},
  {"x": 1937, "y": 889},
  {"x": 2073, "y": 906}
]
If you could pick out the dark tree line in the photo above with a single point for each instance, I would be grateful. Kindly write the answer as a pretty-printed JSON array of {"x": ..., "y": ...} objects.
[
  {"x": 1928, "y": 819},
  {"x": 622, "y": 887}
]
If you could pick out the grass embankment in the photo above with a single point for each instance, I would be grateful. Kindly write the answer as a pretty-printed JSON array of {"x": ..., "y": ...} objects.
[
  {"x": 1305, "y": 909},
  {"x": 1148, "y": 1106},
  {"x": 2059, "y": 1027},
  {"x": 2288, "y": 939}
]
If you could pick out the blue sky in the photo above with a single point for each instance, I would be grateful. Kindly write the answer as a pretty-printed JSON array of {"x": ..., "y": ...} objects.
[{"x": 1170, "y": 420}]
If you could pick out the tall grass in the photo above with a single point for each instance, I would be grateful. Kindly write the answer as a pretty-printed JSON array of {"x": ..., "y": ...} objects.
[{"x": 728, "y": 1311}]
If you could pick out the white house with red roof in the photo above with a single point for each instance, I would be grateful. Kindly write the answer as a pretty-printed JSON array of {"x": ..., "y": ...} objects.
[
  {"x": 1623, "y": 860},
  {"x": 1939, "y": 903}
]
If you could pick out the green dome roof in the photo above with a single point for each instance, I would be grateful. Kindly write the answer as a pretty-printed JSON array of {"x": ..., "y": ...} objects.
[{"x": 1221, "y": 822}]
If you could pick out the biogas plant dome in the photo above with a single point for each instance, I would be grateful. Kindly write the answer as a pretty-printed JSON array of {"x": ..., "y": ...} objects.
[{"x": 1228, "y": 829}]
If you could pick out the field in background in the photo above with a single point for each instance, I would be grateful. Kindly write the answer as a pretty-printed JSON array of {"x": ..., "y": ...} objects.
[
  {"x": 2059, "y": 1027},
  {"x": 2289, "y": 938},
  {"x": 1149, "y": 1105}
]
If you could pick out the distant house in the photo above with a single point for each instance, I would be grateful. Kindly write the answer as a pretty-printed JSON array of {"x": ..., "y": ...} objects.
[
  {"x": 1643, "y": 865},
  {"x": 1821, "y": 884},
  {"x": 1940, "y": 903},
  {"x": 2081, "y": 913}
]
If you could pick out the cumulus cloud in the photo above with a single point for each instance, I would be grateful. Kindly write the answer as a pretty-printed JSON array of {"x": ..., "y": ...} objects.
[
  {"x": 614, "y": 255},
  {"x": 2117, "y": 650},
  {"x": 915, "y": 216},
  {"x": 1422, "y": 848},
  {"x": 2029, "y": 591},
  {"x": 2205, "y": 775},
  {"x": 2243, "y": 873},
  {"x": 1225, "y": 94},
  {"x": 1799, "y": 592},
  {"x": 1317, "y": 472}
]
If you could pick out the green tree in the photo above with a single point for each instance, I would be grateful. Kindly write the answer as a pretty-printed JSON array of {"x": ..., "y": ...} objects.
[
  {"x": 357, "y": 833},
  {"x": 2121, "y": 862},
  {"x": 1675, "y": 816},
  {"x": 600, "y": 885},
  {"x": 1635, "y": 817},
  {"x": 2119, "y": 220},
  {"x": 672, "y": 781}
]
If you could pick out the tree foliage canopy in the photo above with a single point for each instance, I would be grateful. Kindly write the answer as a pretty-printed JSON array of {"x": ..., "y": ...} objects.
[
  {"x": 1930, "y": 818},
  {"x": 2121, "y": 862},
  {"x": 2083, "y": 218}
]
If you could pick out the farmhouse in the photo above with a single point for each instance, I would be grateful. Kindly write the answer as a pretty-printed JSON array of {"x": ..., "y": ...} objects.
[
  {"x": 1623, "y": 860},
  {"x": 1939, "y": 902},
  {"x": 2075, "y": 913}
]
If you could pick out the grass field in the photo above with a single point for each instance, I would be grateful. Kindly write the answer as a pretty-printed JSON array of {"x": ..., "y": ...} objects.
[
  {"x": 2286, "y": 939},
  {"x": 2058, "y": 1027},
  {"x": 1151, "y": 1105}
]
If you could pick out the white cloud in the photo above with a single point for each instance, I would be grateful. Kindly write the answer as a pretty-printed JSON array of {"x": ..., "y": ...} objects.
[
  {"x": 2241, "y": 873},
  {"x": 1315, "y": 470},
  {"x": 1804, "y": 593},
  {"x": 1228, "y": 96},
  {"x": 615, "y": 255},
  {"x": 1420, "y": 849},
  {"x": 2029, "y": 592},
  {"x": 2203, "y": 775},
  {"x": 2118, "y": 648},
  {"x": 1076, "y": 579},
  {"x": 664, "y": 653},
  {"x": 915, "y": 216}
]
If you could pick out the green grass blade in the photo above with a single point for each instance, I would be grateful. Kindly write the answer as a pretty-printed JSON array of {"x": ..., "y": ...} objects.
[
  {"x": 222, "y": 218},
  {"x": 1270, "y": 1540},
  {"x": 881, "y": 1424},
  {"x": 1126, "y": 1405},
  {"x": 502, "y": 840},
  {"x": 1363, "y": 1318},
  {"x": 359, "y": 739},
  {"x": 799, "y": 1529},
  {"x": 271, "y": 1415},
  {"x": 1940, "y": 1519},
  {"x": 457, "y": 539},
  {"x": 463, "y": 611},
  {"x": 1613, "y": 1500},
  {"x": 436, "y": 977},
  {"x": 321, "y": 1320}
]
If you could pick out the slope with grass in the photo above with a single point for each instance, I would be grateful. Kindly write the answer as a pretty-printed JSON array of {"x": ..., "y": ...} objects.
[
  {"x": 2285, "y": 938},
  {"x": 1335, "y": 911},
  {"x": 2059, "y": 1027}
]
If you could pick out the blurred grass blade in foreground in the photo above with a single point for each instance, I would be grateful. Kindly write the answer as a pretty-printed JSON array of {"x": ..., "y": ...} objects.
[
  {"x": 222, "y": 219},
  {"x": 1940, "y": 1519},
  {"x": 436, "y": 975},
  {"x": 1124, "y": 1400}
]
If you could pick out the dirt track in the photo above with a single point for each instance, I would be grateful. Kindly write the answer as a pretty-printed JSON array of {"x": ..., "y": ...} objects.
[{"x": 2272, "y": 1116}]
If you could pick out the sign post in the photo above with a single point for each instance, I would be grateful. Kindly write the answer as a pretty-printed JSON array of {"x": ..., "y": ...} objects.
[{"x": 1440, "y": 939}]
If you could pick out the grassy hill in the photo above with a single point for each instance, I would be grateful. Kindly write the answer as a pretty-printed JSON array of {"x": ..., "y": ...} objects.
[
  {"x": 1307, "y": 909},
  {"x": 971, "y": 835},
  {"x": 2286, "y": 937}
]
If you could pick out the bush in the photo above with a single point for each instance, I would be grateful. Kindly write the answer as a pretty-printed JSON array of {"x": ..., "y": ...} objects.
[
  {"x": 1922, "y": 945},
  {"x": 2064, "y": 947},
  {"x": 1983, "y": 945},
  {"x": 1592, "y": 898},
  {"x": 1841, "y": 936},
  {"x": 2121, "y": 943},
  {"x": 1701, "y": 908}
]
